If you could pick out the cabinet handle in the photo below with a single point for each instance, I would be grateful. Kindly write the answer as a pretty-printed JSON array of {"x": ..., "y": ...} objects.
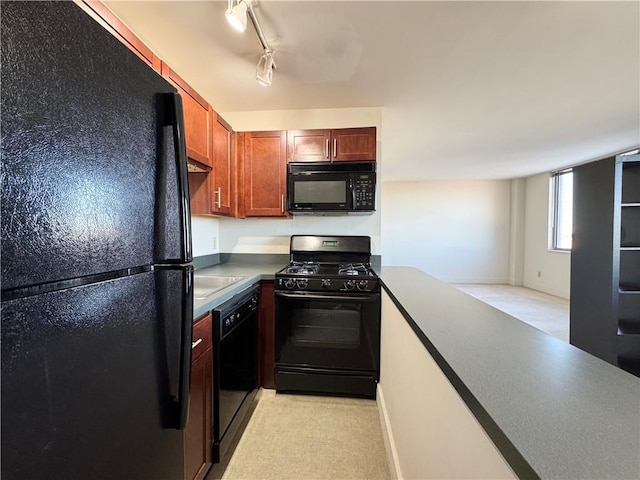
[
  {"x": 335, "y": 147},
  {"x": 196, "y": 343},
  {"x": 218, "y": 192},
  {"x": 326, "y": 149},
  {"x": 282, "y": 203}
]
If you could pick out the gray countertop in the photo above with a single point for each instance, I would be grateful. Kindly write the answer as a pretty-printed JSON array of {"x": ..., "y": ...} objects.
[
  {"x": 553, "y": 410},
  {"x": 253, "y": 272}
]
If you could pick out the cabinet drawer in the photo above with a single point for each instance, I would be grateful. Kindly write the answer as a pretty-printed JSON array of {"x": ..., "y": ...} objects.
[{"x": 201, "y": 339}]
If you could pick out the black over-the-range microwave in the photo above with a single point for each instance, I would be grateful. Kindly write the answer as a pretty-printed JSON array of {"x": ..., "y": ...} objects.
[{"x": 331, "y": 188}]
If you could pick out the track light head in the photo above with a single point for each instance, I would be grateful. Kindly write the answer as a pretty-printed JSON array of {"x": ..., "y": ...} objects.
[
  {"x": 237, "y": 15},
  {"x": 264, "y": 70}
]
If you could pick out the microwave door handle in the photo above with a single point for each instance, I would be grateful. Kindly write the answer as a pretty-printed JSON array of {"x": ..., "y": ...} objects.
[{"x": 353, "y": 193}]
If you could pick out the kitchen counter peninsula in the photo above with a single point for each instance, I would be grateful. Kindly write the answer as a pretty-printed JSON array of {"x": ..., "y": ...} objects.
[{"x": 550, "y": 409}]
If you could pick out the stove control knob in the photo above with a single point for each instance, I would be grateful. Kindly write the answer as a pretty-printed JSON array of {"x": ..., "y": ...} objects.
[
  {"x": 325, "y": 283},
  {"x": 302, "y": 283},
  {"x": 349, "y": 284},
  {"x": 363, "y": 285},
  {"x": 289, "y": 283}
]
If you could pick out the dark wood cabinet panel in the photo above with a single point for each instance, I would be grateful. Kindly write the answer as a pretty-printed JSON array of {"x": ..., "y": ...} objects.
[
  {"x": 198, "y": 115},
  {"x": 112, "y": 24},
  {"x": 264, "y": 175},
  {"x": 198, "y": 431},
  {"x": 605, "y": 261},
  {"x": 308, "y": 145},
  {"x": 222, "y": 180},
  {"x": 266, "y": 335},
  {"x": 353, "y": 144}
]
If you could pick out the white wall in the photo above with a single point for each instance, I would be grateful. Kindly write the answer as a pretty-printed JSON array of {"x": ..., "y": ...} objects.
[
  {"x": 306, "y": 119},
  {"x": 258, "y": 235},
  {"x": 206, "y": 235},
  {"x": 544, "y": 270},
  {"x": 253, "y": 235},
  {"x": 457, "y": 231}
]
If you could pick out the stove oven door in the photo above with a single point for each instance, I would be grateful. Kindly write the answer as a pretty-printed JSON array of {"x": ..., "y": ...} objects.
[{"x": 328, "y": 343}]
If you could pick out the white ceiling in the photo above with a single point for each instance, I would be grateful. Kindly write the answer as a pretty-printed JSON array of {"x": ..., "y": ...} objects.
[{"x": 470, "y": 90}]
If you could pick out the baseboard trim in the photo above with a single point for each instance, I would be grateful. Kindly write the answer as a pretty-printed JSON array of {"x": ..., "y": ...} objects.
[
  {"x": 483, "y": 280},
  {"x": 541, "y": 287},
  {"x": 387, "y": 435}
]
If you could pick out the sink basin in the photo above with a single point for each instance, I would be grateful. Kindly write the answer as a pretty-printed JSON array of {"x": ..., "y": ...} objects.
[{"x": 206, "y": 285}]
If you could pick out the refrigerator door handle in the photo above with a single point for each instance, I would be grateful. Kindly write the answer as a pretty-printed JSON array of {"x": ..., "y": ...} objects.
[
  {"x": 182, "y": 400},
  {"x": 183, "y": 178}
]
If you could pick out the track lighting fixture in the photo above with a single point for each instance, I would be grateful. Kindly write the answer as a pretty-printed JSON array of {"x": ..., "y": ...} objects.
[
  {"x": 237, "y": 12},
  {"x": 264, "y": 71},
  {"x": 237, "y": 15}
]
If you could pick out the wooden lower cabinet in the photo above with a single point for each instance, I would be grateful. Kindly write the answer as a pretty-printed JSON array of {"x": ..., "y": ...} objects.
[
  {"x": 198, "y": 432},
  {"x": 266, "y": 335}
]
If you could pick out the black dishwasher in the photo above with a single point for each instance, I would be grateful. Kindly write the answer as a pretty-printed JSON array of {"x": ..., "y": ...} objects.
[{"x": 234, "y": 366}]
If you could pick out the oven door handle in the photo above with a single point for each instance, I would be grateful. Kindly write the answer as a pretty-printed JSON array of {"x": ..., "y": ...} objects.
[{"x": 364, "y": 297}]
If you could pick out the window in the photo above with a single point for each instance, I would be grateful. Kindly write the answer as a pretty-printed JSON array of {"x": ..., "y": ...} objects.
[{"x": 562, "y": 209}]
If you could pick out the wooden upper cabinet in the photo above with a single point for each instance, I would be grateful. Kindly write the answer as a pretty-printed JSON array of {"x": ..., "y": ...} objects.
[
  {"x": 264, "y": 164},
  {"x": 198, "y": 115},
  {"x": 308, "y": 145},
  {"x": 111, "y": 23},
  {"x": 353, "y": 144},
  {"x": 200, "y": 193},
  {"x": 223, "y": 187},
  {"x": 338, "y": 145}
]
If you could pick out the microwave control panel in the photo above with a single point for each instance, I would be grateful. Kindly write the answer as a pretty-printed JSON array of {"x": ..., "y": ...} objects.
[{"x": 365, "y": 187}]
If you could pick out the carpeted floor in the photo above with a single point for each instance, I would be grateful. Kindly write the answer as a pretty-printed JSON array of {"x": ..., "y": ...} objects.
[{"x": 310, "y": 437}]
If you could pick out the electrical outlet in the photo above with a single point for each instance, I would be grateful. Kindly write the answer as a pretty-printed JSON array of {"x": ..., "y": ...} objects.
[{"x": 214, "y": 242}]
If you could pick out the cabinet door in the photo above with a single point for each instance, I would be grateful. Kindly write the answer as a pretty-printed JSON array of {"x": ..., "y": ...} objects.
[
  {"x": 308, "y": 145},
  {"x": 353, "y": 144},
  {"x": 113, "y": 25},
  {"x": 266, "y": 335},
  {"x": 198, "y": 431},
  {"x": 197, "y": 118},
  {"x": 222, "y": 184},
  {"x": 199, "y": 193},
  {"x": 264, "y": 166}
]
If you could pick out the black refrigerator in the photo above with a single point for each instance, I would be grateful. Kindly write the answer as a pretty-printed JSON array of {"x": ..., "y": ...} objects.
[{"x": 97, "y": 304}]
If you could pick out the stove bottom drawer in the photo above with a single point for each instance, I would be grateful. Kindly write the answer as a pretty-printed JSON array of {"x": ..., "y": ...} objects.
[{"x": 309, "y": 381}]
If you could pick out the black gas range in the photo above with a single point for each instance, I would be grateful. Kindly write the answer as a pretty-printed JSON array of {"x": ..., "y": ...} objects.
[
  {"x": 329, "y": 264},
  {"x": 327, "y": 277},
  {"x": 328, "y": 317}
]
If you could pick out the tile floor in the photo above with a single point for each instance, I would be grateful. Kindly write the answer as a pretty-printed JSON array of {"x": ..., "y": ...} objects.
[{"x": 543, "y": 311}]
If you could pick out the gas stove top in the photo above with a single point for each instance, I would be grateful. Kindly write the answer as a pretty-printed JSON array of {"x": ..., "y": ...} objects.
[
  {"x": 317, "y": 268},
  {"x": 328, "y": 264}
]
